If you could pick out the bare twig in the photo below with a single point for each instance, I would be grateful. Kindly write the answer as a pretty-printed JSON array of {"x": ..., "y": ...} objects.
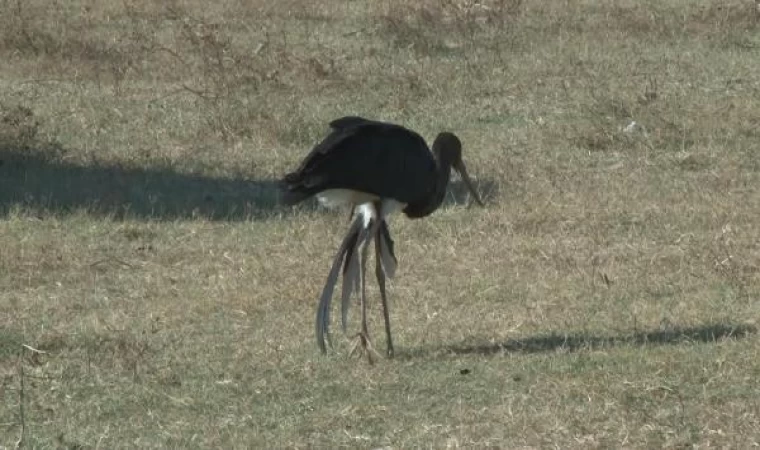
[{"x": 34, "y": 350}]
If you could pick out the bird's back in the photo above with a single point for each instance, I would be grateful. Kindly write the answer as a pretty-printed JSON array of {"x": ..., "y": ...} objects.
[{"x": 363, "y": 155}]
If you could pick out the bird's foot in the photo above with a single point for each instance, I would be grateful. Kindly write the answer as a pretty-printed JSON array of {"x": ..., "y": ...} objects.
[{"x": 363, "y": 345}]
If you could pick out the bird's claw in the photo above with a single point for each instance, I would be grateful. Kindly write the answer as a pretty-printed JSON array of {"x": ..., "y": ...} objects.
[{"x": 362, "y": 344}]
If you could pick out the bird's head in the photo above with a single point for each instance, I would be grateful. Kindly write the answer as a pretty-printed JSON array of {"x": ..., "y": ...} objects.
[{"x": 448, "y": 147}]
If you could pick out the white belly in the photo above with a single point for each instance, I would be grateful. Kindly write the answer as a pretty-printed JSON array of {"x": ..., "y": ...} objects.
[
  {"x": 332, "y": 198},
  {"x": 389, "y": 206},
  {"x": 362, "y": 202}
]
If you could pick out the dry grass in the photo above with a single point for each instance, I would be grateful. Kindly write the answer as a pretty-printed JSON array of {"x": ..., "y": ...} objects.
[{"x": 606, "y": 297}]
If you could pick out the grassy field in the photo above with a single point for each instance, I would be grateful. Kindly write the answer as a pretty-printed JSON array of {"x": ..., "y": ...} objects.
[{"x": 154, "y": 294}]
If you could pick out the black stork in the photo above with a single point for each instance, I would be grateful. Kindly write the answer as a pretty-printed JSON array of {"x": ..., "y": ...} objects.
[{"x": 376, "y": 168}]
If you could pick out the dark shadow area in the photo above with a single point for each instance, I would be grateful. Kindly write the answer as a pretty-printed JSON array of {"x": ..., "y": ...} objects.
[
  {"x": 30, "y": 180},
  {"x": 38, "y": 184},
  {"x": 581, "y": 341}
]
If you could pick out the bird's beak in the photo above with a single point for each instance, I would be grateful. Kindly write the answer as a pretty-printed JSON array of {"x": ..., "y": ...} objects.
[{"x": 459, "y": 167}]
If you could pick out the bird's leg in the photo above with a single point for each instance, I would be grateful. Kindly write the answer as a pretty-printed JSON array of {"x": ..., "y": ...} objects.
[
  {"x": 366, "y": 343},
  {"x": 363, "y": 337},
  {"x": 354, "y": 264},
  {"x": 380, "y": 273}
]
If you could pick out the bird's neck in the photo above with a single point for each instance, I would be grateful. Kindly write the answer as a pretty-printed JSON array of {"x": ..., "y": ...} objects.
[
  {"x": 442, "y": 181},
  {"x": 427, "y": 205},
  {"x": 435, "y": 197}
]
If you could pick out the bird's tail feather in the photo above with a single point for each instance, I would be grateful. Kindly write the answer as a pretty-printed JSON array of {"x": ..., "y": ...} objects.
[
  {"x": 348, "y": 257},
  {"x": 351, "y": 277},
  {"x": 323, "y": 308},
  {"x": 387, "y": 256}
]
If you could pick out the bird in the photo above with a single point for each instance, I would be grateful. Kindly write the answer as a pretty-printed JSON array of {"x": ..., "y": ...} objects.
[{"x": 376, "y": 169}]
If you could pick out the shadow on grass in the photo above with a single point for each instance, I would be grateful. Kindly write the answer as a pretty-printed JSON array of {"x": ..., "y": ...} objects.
[
  {"x": 32, "y": 181},
  {"x": 35, "y": 183},
  {"x": 582, "y": 341}
]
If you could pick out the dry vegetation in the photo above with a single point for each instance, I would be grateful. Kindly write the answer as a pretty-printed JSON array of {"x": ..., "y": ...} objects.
[{"x": 606, "y": 297}]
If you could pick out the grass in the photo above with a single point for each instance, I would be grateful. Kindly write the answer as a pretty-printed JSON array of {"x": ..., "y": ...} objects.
[{"x": 607, "y": 296}]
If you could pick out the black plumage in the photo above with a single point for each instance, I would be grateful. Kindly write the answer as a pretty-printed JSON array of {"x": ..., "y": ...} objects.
[{"x": 380, "y": 166}]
